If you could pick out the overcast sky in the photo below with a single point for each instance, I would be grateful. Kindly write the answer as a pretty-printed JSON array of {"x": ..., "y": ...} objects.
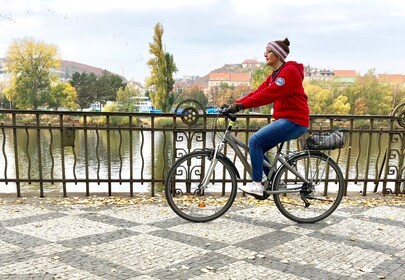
[{"x": 204, "y": 35}]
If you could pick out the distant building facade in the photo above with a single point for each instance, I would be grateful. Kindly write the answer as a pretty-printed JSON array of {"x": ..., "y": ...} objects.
[
  {"x": 232, "y": 79},
  {"x": 345, "y": 76},
  {"x": 251, "y": 63},
  {"x": 340, "y": 76}
]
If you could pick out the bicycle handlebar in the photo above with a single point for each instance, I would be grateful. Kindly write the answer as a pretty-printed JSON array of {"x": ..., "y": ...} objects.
[{"x": 224, "y": 110}]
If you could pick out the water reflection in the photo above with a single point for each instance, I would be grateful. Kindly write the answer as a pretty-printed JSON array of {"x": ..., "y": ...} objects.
[{"x": 98, "y": 158}]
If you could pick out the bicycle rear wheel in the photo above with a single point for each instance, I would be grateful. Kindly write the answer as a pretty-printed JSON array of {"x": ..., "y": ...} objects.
[
  {"x": 314, "y": 201},
  {"x": 183, "y": 187}
]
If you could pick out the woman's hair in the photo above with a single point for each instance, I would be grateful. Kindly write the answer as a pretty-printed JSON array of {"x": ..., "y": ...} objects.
[
  {"x": 284, "y": 44},
  {"x": 280, "y": 48}
]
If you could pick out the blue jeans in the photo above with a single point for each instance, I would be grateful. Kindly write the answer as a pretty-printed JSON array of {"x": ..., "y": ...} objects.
[{"x": 268, "y": 137}]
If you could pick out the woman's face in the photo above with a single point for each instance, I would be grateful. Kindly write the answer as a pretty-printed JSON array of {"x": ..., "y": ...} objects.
[{"x": 271, "y": 58}]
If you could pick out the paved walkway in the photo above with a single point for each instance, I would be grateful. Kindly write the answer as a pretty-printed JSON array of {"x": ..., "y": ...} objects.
[{"x": 77, "y": 241}]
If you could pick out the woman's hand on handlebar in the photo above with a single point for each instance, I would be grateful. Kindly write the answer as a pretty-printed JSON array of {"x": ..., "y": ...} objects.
[
  {"x": 225, "y": 110},
  {"x": 235, "y": 107}
]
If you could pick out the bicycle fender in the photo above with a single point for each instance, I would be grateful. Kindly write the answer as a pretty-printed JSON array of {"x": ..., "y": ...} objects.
[
  {"x": 225, "y": 158},
  {"x": 299, "y": 153}
]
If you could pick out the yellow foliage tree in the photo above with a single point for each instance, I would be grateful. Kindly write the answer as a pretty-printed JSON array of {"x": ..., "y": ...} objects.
[
  {"x": 162, "y": 68},
  {"x": 318, "y": 98},
  {"x": 29, "y": 62},
  {"x": 126, "y": 98},
  {"x": 63, "y": 95},
  {"x": 341, "y": 105}
]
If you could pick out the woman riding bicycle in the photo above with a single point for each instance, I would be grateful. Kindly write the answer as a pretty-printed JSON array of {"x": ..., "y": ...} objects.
[{"x": 284, "y": 88}]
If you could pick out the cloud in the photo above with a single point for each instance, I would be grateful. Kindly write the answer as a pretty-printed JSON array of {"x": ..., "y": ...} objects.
[
  {"x": 204, "y": 35},
  {"x": 108, "y": 6}
]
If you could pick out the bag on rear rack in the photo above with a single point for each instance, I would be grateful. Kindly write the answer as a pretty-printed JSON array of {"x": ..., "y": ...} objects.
[{"x": 325, "y": 140}]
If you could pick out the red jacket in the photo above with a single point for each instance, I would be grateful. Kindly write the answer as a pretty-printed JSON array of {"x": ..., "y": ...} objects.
[{"x": 285, "y": 91}]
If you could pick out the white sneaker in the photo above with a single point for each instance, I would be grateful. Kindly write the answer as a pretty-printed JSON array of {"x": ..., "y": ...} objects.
[{"x": 253, "y": 188}]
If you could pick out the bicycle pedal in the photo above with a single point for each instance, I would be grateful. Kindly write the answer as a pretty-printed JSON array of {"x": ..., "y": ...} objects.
[{"x": 260, "y": 197}]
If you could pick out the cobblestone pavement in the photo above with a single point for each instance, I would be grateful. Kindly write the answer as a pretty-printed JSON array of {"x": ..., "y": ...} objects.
[{"x": 47, "y": 241}]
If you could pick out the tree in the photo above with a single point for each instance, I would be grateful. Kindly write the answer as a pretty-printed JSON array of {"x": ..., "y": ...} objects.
[
  {"x": 4, "y": 102},
  {"x": 170, "y": 69},
  {"x": 398, "y": 93},
  {"x": 260, "y": 75},
  {"x": 63, "y": 94},
  {"x": 376, "y": 97},
  {"x": 240, "y": 90},
  {"x": 126, "y": 98},
  {"x": 107, "y": 86},
  {"x": 194, "y": 92},
  {"x": 213, "y": 94},
  {"x": 318, "y": 98},
  {"x": 340, "y": 106},
  {"x": 228, "y": 94},
  {"x": 85, "y": 85},
  {"x": 29, "y": 62},
  {"x": 360, "y": 106},
  {"x": 162, "y": 68}
]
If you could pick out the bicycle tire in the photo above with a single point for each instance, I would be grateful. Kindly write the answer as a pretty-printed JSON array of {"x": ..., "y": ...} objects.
[
  {"x": 315, "y": 201},
  {"x": 185, "y": 197}
]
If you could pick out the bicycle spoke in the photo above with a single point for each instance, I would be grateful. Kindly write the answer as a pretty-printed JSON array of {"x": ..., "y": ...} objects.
[
  {"x": 320, "y": 197},
  {"x": 189, "y": 200}
]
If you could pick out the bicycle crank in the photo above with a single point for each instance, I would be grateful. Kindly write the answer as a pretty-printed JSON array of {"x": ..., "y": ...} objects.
[{"x": 260, "y": 197}]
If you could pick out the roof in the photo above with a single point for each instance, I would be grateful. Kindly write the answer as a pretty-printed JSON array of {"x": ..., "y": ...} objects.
[
  {"x": 230, "y": 77},
  {"x": 240, "y": 77},
  {"x": 345, "y": 73},
  {"x": 219, "y": 76},
  {"x": 392, "y": 78}
]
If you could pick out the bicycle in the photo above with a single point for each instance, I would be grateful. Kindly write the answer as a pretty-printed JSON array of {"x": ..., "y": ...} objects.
[{"x": 201, "y": 186}]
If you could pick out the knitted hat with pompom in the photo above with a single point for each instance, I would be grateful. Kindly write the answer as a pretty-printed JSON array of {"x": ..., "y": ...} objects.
[{"x": 280, "y": 48}]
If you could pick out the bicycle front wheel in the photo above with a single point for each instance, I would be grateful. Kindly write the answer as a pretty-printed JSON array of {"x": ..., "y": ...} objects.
[
  {"x": 313, "y": 201},
  {"x": 188, "y": 199}
]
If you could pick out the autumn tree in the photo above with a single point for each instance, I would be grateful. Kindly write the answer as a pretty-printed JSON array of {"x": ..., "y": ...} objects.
[
  {"x": 240, "y": 90},
  {"x": 360, "y": 106},
  {"x": 126, "y": 98},
  {"x": 30, "y": 62},
  {"x": 340, "y": 106},
  {"x": 62, "y": 95},
  {"x": 194, "y": 92},
  {"x": 260, "y": 75},
  {"x": 318, "y": 98},
  {"x": 398, "y": 93},
  {"x": 227, "y": 94},
  {"x": 4, "y": 102},
  {"x": 162, "y": 68},
  {"x": 373, "y": 96},
  {"x": 213, "y": 94}
]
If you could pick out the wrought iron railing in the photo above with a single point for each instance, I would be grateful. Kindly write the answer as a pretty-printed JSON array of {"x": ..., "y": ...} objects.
[{"x": 100, "y": 152}]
